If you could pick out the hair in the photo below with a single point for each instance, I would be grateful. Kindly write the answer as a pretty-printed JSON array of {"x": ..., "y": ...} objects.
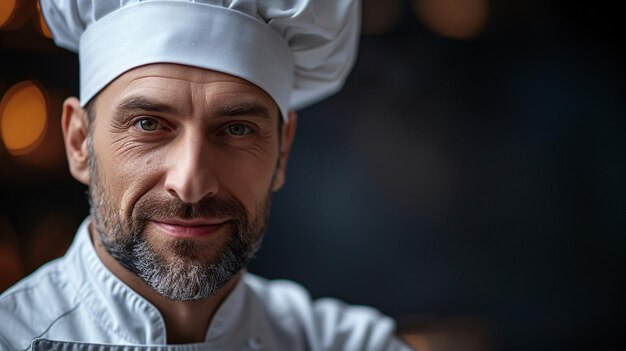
[{"x": 90, "y": 108}]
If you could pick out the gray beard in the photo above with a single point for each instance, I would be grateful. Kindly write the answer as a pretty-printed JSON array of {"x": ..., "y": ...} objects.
[
  {"x": 187, "y": 276},
  {"x": 183, "y": 279}
]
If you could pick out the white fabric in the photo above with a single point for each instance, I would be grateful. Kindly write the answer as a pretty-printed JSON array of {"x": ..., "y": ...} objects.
[
  {"x": 298, "y": 51},
  {"x": 76, "y": 303}
]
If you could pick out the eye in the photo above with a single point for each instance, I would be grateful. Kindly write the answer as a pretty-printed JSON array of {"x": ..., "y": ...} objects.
[
  {"x": 148, "y": 124},
  {"x": 238, "y": 129}
]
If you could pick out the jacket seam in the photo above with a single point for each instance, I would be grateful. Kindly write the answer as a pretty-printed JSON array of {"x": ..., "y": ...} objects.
[{"x": 51, "y": 324}]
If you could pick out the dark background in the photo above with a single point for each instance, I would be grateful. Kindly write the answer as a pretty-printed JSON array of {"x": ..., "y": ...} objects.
[{"x": 474, "y": 175}]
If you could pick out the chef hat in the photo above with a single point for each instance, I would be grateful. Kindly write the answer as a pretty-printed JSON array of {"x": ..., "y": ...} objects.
[{"x": 298, "y": 51}]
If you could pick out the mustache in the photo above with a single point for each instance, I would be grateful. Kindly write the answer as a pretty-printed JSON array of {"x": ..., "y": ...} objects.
[{"x": 152, "y": 206}]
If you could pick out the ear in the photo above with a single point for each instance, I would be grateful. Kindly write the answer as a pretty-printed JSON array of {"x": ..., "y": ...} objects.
[
  {"x": 288, "y": 133},
  {"x": 75, "y": 123}
]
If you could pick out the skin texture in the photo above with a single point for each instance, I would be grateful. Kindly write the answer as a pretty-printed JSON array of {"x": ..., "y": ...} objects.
[{"x": 189, "y": 140}]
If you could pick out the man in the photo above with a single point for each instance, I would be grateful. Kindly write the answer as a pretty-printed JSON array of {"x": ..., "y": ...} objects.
[{"x": 182, "y": 134}]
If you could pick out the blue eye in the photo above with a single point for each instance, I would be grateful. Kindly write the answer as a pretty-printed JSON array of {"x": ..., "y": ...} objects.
[
  {"x": 238, "y": 129},
  {"x": 148, "y": 124}
]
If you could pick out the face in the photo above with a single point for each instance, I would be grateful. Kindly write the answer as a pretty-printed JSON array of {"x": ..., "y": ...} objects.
[{"x": 181, "y": 166}]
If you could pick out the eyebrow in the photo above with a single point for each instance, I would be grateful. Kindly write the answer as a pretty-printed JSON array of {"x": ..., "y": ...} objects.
[
  {"x": 141, "y": 104},
  {"x": 247, "y": 108},
  {"x": 138, "y": 103}
]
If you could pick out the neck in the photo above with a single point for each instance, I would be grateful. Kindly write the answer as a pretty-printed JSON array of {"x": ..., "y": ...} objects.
[{"x": 185, "y": 321}]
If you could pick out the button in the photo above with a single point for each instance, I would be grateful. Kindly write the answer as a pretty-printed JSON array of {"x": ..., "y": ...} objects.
[{"x": 255, "y": 342}]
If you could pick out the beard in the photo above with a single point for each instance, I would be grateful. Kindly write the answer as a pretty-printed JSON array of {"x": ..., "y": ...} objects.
[{"x": 177, "y": 269}]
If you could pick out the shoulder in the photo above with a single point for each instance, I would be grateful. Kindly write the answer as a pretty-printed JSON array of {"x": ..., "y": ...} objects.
[
  {"x": 327, "y": 324},
  {"x": 279, "y": 296},
  {"x": 28, "y": 308},
  {"x": 354, "y": 327}
]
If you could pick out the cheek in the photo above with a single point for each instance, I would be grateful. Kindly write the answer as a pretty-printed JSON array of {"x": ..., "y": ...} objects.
[
  {"x": 247, "y": 178},
  {"x": 126, "y": 174}
]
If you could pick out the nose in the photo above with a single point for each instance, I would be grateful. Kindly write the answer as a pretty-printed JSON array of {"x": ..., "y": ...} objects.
[{"x": 190, "y": 174}]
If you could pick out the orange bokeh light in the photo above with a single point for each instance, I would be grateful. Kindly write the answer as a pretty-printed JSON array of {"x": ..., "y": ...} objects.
[
  {"x": 23, "y": 118},
  {"x": 457, "y": 19},
  {"x": 7, "y": 8},
  {"x": 42, "y": 23}
]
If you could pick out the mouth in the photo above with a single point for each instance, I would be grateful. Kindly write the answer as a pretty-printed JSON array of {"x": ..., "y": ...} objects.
[{"x": 189, "y": 229}]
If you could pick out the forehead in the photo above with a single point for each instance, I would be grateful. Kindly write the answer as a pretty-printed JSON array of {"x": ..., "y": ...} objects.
[{"x": 185, "y": 87}]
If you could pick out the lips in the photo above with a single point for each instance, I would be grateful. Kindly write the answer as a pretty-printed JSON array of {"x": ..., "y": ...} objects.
[{"x": 189, "y": 229}]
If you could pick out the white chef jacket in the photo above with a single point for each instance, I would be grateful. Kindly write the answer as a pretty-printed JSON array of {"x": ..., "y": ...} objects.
[{"x": 76, "y": 303}]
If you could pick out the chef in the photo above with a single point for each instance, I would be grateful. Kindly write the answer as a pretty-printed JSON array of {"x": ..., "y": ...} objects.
[{"x": 182, "y": 134}]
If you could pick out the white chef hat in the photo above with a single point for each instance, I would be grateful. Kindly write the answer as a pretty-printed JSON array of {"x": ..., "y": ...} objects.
[{"x": 298, "y": 51}]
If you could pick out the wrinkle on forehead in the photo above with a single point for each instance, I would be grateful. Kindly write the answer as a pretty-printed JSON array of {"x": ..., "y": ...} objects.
[
  {"x": 233, "y": 79},
  {"x": 191, "y": 86},
  {"x": 182, "y": 72},
  {"x": 180, "y": 86}
]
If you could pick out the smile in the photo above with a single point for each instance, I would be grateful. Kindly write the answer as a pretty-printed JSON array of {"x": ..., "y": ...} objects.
[{"x": 189, "y": 229}]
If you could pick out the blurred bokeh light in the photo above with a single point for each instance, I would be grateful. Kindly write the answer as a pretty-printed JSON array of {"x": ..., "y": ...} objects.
[
  {"x": 14, "y": 13},
  {"x": 456, "y": 19},
  {"x": 42, "y": 26},
  {"x": 7, "y": 8},
  {"x": 23, "y": 118}
]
